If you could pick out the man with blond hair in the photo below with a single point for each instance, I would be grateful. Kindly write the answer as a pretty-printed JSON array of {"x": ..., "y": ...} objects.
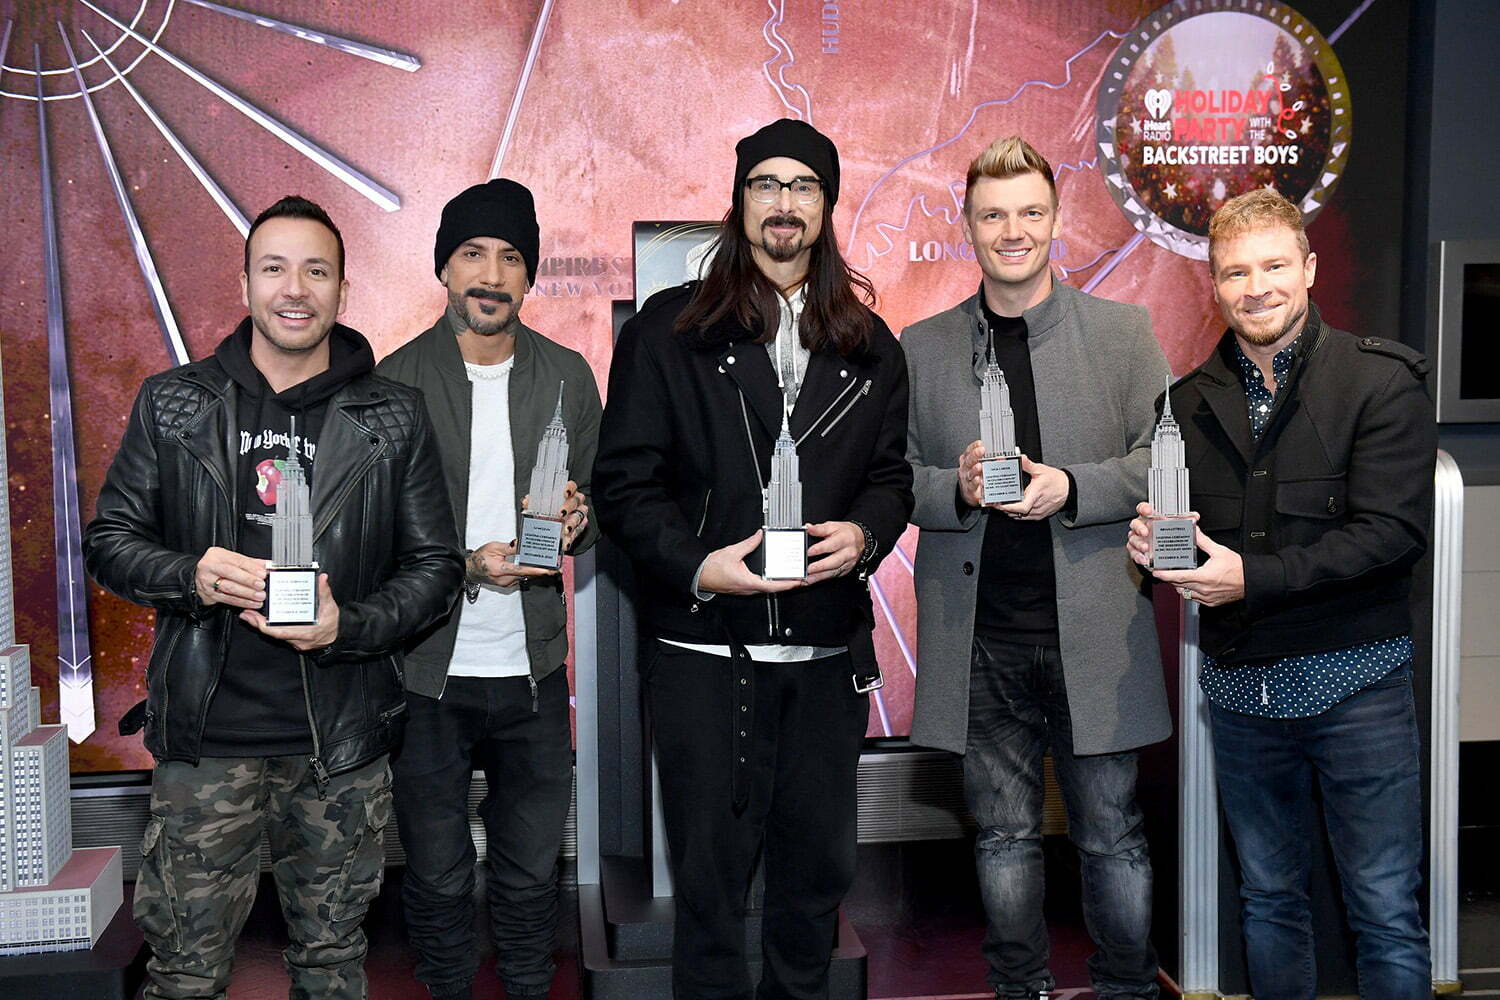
[
  {"x": 1032, "y": 634},
  {"x": 1312, "y": 455}
]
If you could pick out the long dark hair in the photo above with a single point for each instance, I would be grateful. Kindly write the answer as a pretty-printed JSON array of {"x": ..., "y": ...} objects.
[{"x": 833, "y": 316}]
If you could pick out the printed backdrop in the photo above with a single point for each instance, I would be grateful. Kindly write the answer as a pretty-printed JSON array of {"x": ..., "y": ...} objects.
[{"x": 613, "y": 114}]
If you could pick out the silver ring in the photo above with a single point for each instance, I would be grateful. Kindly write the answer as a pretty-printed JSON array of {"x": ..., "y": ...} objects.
[{"x": 1188, "y": 595}]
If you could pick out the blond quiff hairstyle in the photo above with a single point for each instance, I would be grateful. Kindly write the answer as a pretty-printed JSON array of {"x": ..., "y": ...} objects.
[
  {"x": 1261, "y": 208},
  {"x": 1009, "y": 157}
]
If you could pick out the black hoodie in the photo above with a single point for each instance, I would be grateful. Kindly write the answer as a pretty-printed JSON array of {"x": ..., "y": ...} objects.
[{"x": 258, "y": 708}]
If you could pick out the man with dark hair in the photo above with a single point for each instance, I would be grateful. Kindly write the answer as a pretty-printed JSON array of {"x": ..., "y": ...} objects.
[
  {"x": 757, "y": 688},
  {"x": 486, "y": 687},
  {"x": 280, "y": 730},
  {"x": 1032, "y": 634},
  {"x": 1311, "y": 453}
]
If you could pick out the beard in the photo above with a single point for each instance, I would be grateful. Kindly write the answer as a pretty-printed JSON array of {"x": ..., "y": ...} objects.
[
  {"x": 787, "y": 249},
  {"x": 1265, "y": 336},
  {"x": 478, "y": 321}
]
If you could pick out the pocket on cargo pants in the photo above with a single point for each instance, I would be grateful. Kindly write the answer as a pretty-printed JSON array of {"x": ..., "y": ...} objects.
[
  {"x": 156, "y": 909},
  {"x": 364, "y": 869}
]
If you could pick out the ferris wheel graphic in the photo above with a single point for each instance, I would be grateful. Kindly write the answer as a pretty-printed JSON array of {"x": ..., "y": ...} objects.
[{"x": 102, "y": 50}]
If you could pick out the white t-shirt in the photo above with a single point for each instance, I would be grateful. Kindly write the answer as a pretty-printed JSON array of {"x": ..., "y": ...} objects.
[{"x": 491, "y": 640}]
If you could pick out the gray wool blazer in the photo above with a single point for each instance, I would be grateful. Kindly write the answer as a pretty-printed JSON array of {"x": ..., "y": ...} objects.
[{"x": 1098, "y": 371}]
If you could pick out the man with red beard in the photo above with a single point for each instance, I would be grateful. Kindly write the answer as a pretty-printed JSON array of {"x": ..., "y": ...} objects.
[
  {"x": 260, "y": 729},
  {"x": 486, "y": 687},
  {"x": 1311, "y": 453}
]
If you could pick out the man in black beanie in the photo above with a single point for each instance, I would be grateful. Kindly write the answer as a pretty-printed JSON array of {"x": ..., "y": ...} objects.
[
  {"x": 758, "y": 688},
  {"x": 485, "y": 687}
]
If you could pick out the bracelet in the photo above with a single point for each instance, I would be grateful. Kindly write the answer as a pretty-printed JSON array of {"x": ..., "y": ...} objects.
[{"x": 871, "y": 544}]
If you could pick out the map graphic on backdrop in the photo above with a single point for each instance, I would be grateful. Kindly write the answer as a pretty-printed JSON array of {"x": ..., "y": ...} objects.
[{"x": 200, "y": 113}]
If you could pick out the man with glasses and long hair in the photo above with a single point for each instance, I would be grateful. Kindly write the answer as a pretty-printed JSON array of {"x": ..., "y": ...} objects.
[{"x": 758, "y": 688}]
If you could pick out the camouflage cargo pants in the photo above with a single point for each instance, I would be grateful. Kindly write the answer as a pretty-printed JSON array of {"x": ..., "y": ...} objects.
[{"x": 200, "y": 865}]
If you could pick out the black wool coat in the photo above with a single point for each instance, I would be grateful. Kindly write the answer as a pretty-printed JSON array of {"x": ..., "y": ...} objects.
[
  {"x": 1330, "y": 508},
  {"x": 684, "y": 450}
]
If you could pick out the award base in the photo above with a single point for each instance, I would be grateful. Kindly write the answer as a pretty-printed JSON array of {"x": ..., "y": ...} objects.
[
  {"x": 1172, "y": 543},
  {"x": 1002, "y": 479},
  {"x": 540, "y": 543},
  {"x": 291, "y": 595},
  {"x": 784, "y": 554}
]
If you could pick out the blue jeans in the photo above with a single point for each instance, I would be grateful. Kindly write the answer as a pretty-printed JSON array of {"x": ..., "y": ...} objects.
[
  {"x": 1363, "y": 755},
  {"x": 1018, "y": 709}
]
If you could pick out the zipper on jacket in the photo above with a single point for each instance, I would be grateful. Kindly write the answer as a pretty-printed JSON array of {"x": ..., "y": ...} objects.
[
  {"x": 771, "y": 615},
  {"x": 864, "y": 391},
  {"x": 166, "y": 674},
  {"x": 703, "y": 521},
  {"x": 212, "y": 688},
  {"x": 531, "y": 682},
  {"x": 320, "y": 772},
  {"x": 811, "y": 427}
]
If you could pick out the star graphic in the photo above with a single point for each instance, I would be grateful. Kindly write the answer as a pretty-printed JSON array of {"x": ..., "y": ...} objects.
[
  {"x": 1170, "y": 190},
  {"x": 1306, "y": 125}
]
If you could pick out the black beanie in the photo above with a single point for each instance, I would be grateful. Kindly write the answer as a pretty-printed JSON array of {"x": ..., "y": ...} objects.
[
  {"x": 500, "y": 208},
  {"x": 800, "y": 141}
]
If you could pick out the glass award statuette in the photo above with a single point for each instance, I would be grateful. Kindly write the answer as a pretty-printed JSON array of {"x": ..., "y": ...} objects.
[
  {"x": 541, "y": 538},
  {"x": 784, "y": 545},
  {"x": 1001, "y": 466},
  {"x": 292, "y": 577},
  {"x": 1172, "y": 537}
]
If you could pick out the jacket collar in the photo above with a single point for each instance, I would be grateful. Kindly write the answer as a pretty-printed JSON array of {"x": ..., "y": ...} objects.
[
  {"x": 748, "y": 364},
  {"x": 1041, "y": 319},
  {"x": 439, "y": 346},
  {"x": 1224, "y": 393}
]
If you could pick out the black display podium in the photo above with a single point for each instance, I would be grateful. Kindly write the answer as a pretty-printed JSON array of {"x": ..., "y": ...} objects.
[{"x": 112, "y": 970}]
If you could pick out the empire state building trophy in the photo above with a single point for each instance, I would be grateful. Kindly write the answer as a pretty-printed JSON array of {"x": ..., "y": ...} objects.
[
  {"x": 541, "y": 538},
  {"x": 292, "y": 577},
  {"x": 784, "y": 544},
  {"x": 1172, "y": 536},
  {"x": 1001, "y": 466}
]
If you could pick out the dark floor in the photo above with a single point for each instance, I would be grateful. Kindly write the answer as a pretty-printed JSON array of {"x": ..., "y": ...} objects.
[
  {"x": 915, "y": 906},
  {"x": 1479, "y": 945}
]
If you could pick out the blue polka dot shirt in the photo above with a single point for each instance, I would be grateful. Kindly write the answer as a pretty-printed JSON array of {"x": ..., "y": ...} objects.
[{"x": 1294, "y": 687}]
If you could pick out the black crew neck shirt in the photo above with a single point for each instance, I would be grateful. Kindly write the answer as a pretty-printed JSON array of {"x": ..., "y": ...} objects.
[{"x": 1017, "y": 582}]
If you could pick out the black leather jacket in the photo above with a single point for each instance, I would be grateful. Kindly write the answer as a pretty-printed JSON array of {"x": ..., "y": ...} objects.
[{"x": 382, "y": 530}]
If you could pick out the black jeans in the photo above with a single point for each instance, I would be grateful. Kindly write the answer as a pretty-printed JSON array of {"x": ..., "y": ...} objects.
[
  {"x": 1018, "y": 710},
  {"x": 809, "y": 725},
  {"x": 527, "y": 759}
]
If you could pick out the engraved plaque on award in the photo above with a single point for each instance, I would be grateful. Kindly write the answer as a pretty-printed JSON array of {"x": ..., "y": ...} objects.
[
  {"x": 1001, "y": 466},
  {"x": 541, "y": 538},
  {"x": 1172, "y": 537},
  {"x": 292, "y": 577},
  {"x": 784, "y": 545}
]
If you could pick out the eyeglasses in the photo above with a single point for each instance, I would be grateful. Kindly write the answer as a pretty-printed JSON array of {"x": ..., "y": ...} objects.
[{"x": 767, "y": 189}]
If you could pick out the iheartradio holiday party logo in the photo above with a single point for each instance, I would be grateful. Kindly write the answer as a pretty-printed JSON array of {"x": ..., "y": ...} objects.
[{"x": 1201, "y": 103}]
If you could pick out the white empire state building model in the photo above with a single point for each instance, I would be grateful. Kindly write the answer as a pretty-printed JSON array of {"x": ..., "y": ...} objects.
[
  {"x": 1001, "y": 466},
  {"x": 785, "y": 542},
  {"x": 1172, "y": 545},
  {"x": 540, "y": 543},
  {"x": 52, "y": 898},
  {"x": 292, "y": 577}
]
